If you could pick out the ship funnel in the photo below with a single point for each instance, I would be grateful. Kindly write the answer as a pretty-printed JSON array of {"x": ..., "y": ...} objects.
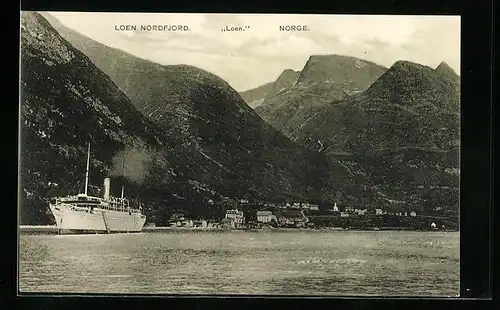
[{"x": 106, "y": 188}]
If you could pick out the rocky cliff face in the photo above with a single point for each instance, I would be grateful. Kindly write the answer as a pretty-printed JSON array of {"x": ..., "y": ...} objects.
[
  {"x": 323, "y": 79},
  {"x": 287, "y": 79},
  {"x": 257, "y": 96}
]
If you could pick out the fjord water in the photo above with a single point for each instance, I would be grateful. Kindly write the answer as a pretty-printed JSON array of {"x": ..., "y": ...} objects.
[{"x": 293, "y": 262}]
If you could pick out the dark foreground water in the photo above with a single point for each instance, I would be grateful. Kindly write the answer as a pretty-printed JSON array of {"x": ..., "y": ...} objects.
[{"x": 282, "y": 263}]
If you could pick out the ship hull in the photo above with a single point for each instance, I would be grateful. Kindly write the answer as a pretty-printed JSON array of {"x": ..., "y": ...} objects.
[{"x": 77, "y": 221}]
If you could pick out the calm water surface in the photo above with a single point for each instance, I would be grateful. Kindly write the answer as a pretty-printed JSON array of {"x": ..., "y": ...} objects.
[{"x": 238, "y": 262}]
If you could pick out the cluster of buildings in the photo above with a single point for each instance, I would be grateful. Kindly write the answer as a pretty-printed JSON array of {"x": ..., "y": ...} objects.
[
  {"x": 299, "y": 206},
  {"x": 291, "y": 218},
  {"x": 287, "y": 205},
  {"x": 235, "y": 218},
  {"x": 383, "y": 212},
  {"x": 348, "y": 211},
  {"x": 285, "y": 215},
  {"x": 179, "y": 220}
]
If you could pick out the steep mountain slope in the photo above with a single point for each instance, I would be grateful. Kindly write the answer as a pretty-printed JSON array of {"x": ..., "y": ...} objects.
[
  {"x": 403, "y": 132},
  {"x": 196, "y": 142},
  {"x": 255, "y": 97},
  {"x": 324, "y": 78},
  {"x": 287, "y": 79},
  {"x": 228, "y": 144},
  {"x": 445, "y": 70},
  {"x": 65, "y": 103},
  {"x": 447, "y": 73},
  {"x": 409, "y": 106}
]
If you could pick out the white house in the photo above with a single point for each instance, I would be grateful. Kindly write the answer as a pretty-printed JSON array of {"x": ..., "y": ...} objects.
[
  {"x": 378, "y": 212},
  {"x": 236, "y": 216},
  {"x": 313, "y": 207},
  {"x": 360, "y": 211},
  {"x": 265, "y": 216},
  {"x": 344, "y": 214},
  {"x": 413, "y": 213}
]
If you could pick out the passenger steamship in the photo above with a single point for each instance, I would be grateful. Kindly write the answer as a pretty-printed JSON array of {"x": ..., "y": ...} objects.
[{"x": 88, "y": 214}]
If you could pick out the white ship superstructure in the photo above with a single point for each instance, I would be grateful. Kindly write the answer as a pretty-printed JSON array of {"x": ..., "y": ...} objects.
[{"x": 89, "y": 214}]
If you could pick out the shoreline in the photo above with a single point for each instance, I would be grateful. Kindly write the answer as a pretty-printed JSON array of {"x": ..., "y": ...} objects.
[{"x": 52, "y": 229}]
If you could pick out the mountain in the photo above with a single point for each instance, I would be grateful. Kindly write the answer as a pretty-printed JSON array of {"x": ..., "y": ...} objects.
[
  {"x": 403, "y": 132},
  {"x": 255, "y": 97},
  {"x": 287, "y": 79},
  {"x": 409, "y": 106},
  {"x": 206, "y": 118},
  {"x": 350, "y": 72},
  {"x": 324, "y": 78},
  {"x": 66, "y": 102},
  {"x": 447, "y": 73},
  {"x": 444, "y": 69},
  {"x": 190, "y": 141}
]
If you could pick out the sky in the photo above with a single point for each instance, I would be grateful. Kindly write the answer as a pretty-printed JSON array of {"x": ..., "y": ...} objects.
[{"x": 258, "y": 55}]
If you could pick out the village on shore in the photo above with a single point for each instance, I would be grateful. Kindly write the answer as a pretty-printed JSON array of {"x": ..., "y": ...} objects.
[{"x": 300, "y": 215}]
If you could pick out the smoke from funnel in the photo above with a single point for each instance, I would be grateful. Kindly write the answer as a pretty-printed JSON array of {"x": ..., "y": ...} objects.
[
  {"x": 106, "y": 188},
  {"x": 133, "y": 164}
]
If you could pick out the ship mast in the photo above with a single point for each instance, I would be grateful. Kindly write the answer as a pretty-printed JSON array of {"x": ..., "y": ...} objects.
[
  {"x": 87, "y": 173},
  {"x": 123, "y": 183}
]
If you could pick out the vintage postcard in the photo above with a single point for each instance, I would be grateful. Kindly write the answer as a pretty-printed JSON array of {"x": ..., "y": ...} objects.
[{"x": 229, "y": 154}]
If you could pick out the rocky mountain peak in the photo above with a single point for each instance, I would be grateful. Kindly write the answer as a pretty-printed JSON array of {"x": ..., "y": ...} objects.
[
  {"x": 446, "y": 71},
  {"x": 443, "y": 66},
  {"x": 408, "y": 83},
  {"x": 286, "y": 80},
  {"x": 339, "y": 69}
]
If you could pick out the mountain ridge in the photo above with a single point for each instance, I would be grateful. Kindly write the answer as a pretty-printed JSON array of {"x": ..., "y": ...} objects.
[
  {"x": 402, "y": 133},
  {"x": 324, "y": 78},
  {"x": 66, "y": 102},
  {"x": 321, "y": 68},
  {"x": 416, "y": 83},
  {"x": 212, "y": 148},
  {"x": 258, "y": 96},
  {"x": 255, "y": 96}
]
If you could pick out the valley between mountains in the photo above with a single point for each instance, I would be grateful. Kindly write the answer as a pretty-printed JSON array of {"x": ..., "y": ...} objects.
[{"x": 342, "y": 130}]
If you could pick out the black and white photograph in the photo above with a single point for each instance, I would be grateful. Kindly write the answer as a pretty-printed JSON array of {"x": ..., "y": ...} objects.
[{"x": 239, "y": 154}]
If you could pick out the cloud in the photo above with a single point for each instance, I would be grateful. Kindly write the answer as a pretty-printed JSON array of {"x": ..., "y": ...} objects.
[{"x": 256, "y": 56}]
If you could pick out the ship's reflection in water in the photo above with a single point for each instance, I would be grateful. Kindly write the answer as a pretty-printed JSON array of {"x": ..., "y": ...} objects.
[{"x": 283, "y": 263}]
